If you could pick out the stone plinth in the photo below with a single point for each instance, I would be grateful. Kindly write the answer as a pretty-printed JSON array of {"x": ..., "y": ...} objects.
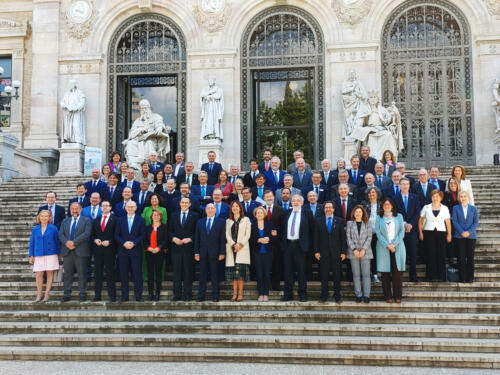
[
  {"x": 8, "y": 145},
  {"x": 210, "y": 145},
  {"x": 71, "y": 159},
  {"x": 350, "y": 149}
]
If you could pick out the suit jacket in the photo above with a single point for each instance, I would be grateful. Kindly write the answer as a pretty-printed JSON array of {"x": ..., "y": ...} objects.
[
  {"x": 368, "y": 165},
  {"x": 223, "y": 211},
  {"x": 292, "y": 168},
  {"x": 277, "y": 217},
  {"x": 89, "y": 185},
  {"x": 255, "y": 192},
  {"x": 441, "y": 184},
  {"x": 262, "y": 166},
  {"x": 46, "y": 244},
  {"x": 323, "y": 195},
  {"x": 213, "y": 176},
  {"x": 141, "y": 205},
  {"x": 351, "y": 203},
  {"x": 418, "y": 190},
  {"x": 353, "y": 191},
  {"x": 293, "y": 191},
  {"x": 361, "y": 240},
  {"x": 318, "y": 212},
  {"x": 186, "y": 231},
  {"x": 384, "y": 184},
  {"x": 109, "y": 231},
  {"x": 161, "y": 237},
  {"x": 113, "y": 199},
  {"x": 306, "y": 229},
  {"x": 182, "y": 178},
  {"x": 331, "y": 178},
  {"x": 136, "y": 186},
  {"x": 195, "y": 204},
  {"x": 244, "y": 232},
  {"x": 271, "y": 181},
  {"x": 136, "y": 235},
  {"x": 306, "y": 179},
  {"x": 85, "y": 203},
  {"x": 232, "y": 179},
  {"x": 196, "y": 193},
  {"x": 360, "y": 177},
  {"x": 82, "y": 234},
  {"x": 59, "y": 215},
  {"x": 213, "y": 243},
  {"x": 255, "y": 235},
  {"x": 251, "y": 206},
  {"x": 389, "y": 191},
  {"x": 248, "y": 180},
  {"x": 159, "y": 166},
  {"x": 329, "y": 244},
  {"x": 413, "y": 214},
  {"x": 87, "y": 212},
  {"x": 119, "y": 209},
  {"x": 181, "y": 169},
  {"x": 168, "y": 200},
  {"x": 461, "y": 224},
  {"x": 383, "y": 253}
]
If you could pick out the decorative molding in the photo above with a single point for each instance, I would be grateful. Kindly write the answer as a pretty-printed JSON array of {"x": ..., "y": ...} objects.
[
  {"x": 10, "y": 28},
  {"x": 80, "y": 31},
  {"x": 351, "y": 12},
  {"x": 493, "y": 7},
  {"x": 353, "y": 52},
  {"x": 18, "y": 53},
  {"x": 145, "y": 4},
  {"x": 212, "y": 19},
  {"x": 80, "y": 68}
]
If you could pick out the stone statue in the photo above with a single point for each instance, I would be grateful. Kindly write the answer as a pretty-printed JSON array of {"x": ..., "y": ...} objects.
[
  {"x": 496, "y": 103},
  {"x": 73, "y": 108},
  {"x": 355, "y": 101},
  {"x": 212, "y": 111},
  {"x": 148, "y": 133},
  {"x": 381, "y": 129}
]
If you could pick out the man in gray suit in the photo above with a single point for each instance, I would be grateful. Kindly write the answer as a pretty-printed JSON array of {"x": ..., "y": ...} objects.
[
  {"x": 75, "y": 251},
  {"x": 288, "y": 182},
  {"x": 301, "y": 176}
]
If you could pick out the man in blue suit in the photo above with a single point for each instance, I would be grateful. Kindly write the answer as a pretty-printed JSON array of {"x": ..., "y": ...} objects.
[
  {"x": 154, "y": 164},
  {"x": 221, "y": 208},
  {"x": 81, "y": 197},
  {"x": 120, "y": 208},
  {"x": 393, "y": 189},
  {"x": 248, "y": 203},
  {"x": 316, "y": 186},
  {"x": 169, "y": 196},
  {"x": 209, "y": 250},
  {"x": 422, "y": 188},
  {"x": 185, "y": 192},
  {"x": 94, "y": 210},
  {"x": 328, "y": 177},
  {"x": 212, "y": 168},
  {"x": 408, "y": 205},
  {"x": 274, "y": 176},
  {"x": 141, "y": 197},
  {"x": 301, "y": 176},
  {"x": 112, "y": 192},
  {"x": 434, "y": 179},
  {"x": 129, "y": 233},
  {"x": 203, "y": 191},
  {"x": 356, "y": 175},
  {"x": 131, "y": 182},
  {"x": 96, "y": 184},
  {"x": 57, "y": 212}
]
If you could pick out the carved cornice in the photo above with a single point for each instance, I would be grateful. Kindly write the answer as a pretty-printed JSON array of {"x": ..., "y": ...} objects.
[
  {"x": 212, "y": 21},
  {"x": 352, "y": 12}
]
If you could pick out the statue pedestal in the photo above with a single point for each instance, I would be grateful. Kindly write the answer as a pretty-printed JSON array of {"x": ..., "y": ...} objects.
[
  {"x": 350, "y": 149},
  {"x": 71, "y": 159},
  {"x": 210, "y": 145}
]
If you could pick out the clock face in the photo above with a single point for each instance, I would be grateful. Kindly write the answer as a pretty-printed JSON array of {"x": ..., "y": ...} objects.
[{"x": 80, "y": 11}]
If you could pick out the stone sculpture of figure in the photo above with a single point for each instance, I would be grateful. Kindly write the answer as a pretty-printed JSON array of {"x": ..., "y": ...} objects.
[
  {"x": 148, "y": 133},
  {"x": 355, "y": 101},
  {"x": 496, "y": 102},
  {"x": 212, "y": 111},
  {"x": 381, "y": 129},
  {"x": 73, "y": 108}
]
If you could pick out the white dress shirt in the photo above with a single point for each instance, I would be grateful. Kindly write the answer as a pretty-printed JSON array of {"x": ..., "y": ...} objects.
[{"x": 297, "y": 225}]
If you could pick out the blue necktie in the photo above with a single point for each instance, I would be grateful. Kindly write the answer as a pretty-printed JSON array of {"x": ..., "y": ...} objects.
[
  {"x": 316, "y": 189},
  {"x": 396, "y": 189},
  {"x": 329, "y": 224},
  {"x": 406, "y": 203},
  {"x": 354, "y": 177},
  {"x": 111, "y": 191},
  {"x": 276, "y": 177},
  {"x": 424, "y": 188},
  {"x": 183, "y": 221},
  {"x": 72, "y": 230},
  {"x": 154, "y": 167},
  {"x": 380, "y": 180},
  {"x": 217, "y": 209},
  {"x": 203, "y": 192},
  {"x": 141, "y": 200},
  {"x": 209, "y": 222},
  {"x": 130, "y": 221},
  {"x": 260, "y": 192},
  {"x": 285, "y": 206},
  {"x": 211, "y": 167}
]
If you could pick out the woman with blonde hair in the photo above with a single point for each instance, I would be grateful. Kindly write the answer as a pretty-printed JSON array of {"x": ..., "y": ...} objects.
[
  {"x": 458, "y": 172},
  {"x": 44, "y": 249}
]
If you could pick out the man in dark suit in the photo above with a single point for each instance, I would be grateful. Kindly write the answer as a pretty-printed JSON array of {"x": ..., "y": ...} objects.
[
  {"x": 212, "y": 168},
  {"x": 96, "y": 184},
  {"x": 112, "y": 192},
  {"x": 234, "y": 174},
  {"x": 313, "y": 204},
  {"x": 344, "y": 204},
  {"x": 291, "y": 168},
  {"x": 285, "y": 200},
  {"x": 74, "y": 236},
  {"x": 265, "y": 165},
  {"x": 408, "y": 205},
  {"x": 168, "y": 171},
  {"x": 258, "y": 189},
  {"x": 369, "y": 184},
  {"x": 169, "y": 196},
  {"x": 249, "y": 178},
  {"x": 296, "y": 242},
  {"x": 248, "y": 203},
  {"x": 328, "y": 177},
  {"x": 221, "y": 208},
  {"x": 187, "y": 175},
  {"x": 56, "y": 211},
  {"x": 288, "y": 184},
  {"x": 422, "y": 189},
  {"x": 381, "y": 181},
  {"x": 104, "y": 244},
  {"x": 141, "y": 197},
  {"x": 392, "y": 190},
  {"x": 401, "y": 168},
  {"x": 434, "y": 179},
  {"x": 120, "y": 209},
  {"x": 301, "y": 176},
  {"x": 131, "y": 182},
  {"x": 366, "y": 162},
  {"x": 356, "y": 175},
  {"x": 209, "y": 250},
  {"x": 274, "y": 176},
  {"x": 81, "y": 197},
  {"x": 179, "y": 164},
  {"x": 203, "y": 191},
  {"x": 276, "y": 215},
  {"x": 129, "y": 233},
  {"x": 186, "y": 193},
  {"x": 154, "y": 164},
  {"x": 94, "y": 210},
  {"x": 329, "y": 249},
  {"x": 343, "y": 178},
  {"x": 182, "y": 229},
  {"x": 321, "y": 190}
]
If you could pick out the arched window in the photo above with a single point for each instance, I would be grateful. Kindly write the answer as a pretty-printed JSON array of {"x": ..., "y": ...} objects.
[
  {"x": 427, "y": 72},
  {"x": 282, "y": 77},
  {"x": 147, "y": 59}
]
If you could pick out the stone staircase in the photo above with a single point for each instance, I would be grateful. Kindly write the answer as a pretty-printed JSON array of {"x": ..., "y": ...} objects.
[{"x": 438, "y": 324}]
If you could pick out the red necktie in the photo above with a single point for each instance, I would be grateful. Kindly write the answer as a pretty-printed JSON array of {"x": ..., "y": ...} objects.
[
  {"x": 343, "y": 211},
  {"x": 103, "y": 224},
  {"x": 267, "y": 165},
  {"x": 268, "y": 213},
  {"x": 51, "y": 217}
]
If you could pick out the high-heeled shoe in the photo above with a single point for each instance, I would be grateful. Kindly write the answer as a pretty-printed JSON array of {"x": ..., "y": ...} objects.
[
  {"x": 235, "y": 296},
  {"x": 240, "y": 298},
  {"x": 38, "y": 299},
  {"x": 46, "y": 299}
]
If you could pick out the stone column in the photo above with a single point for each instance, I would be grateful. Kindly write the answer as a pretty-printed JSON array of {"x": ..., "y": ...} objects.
[{"x": 44, "y": 101}]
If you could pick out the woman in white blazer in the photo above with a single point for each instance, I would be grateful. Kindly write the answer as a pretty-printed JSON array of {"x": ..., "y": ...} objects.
[
  {"x": 458, "y": 172},
  {"x": 434, "y": 228},
  {"x": 238, "y": 231}
]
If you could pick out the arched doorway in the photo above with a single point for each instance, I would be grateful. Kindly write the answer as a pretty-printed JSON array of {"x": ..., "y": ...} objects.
[
  {"x": 147, "y": 59},
  {"x": 282, "y": 78}
]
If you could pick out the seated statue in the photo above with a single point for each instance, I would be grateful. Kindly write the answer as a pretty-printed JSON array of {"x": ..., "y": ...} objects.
[
  {"x": 148, "y": 133},
  {"x": 381, "y": 129}
]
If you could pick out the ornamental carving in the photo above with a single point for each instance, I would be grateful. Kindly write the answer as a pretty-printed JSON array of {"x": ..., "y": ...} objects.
[
  {"x": 80, "y": 17},
  {"x": 351, "y": 12},
  {"x": 493, "y": 7},
  {"x": 212, "y": 15}
]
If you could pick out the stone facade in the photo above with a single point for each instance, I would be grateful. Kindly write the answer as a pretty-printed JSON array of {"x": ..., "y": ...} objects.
[{"x": 54, "y": 47}]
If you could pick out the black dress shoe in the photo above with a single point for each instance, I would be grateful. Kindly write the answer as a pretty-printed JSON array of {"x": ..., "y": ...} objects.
[
  {"x": 157, "y": 296},
  {"x": 338, "y": 300},
  {"x": 65, "y": 299},
  {"x": 139, "y": 299},
  {"x": 215, "y": 300},
  {"x": 323, "y": 300},
  {"x": 187, "y": 299},
  {"x": 150, "y": 297},
  {"x": 358, "y": 299},
  {"x": 96, "y": 299},
  {"x": 286, "y": 299},
  {"x": 201, "y": 299},
  {"x": 303, "y": 299},
  {"x": 175, "y": 299},
  {"x": 366, "y": 299},
  {"x": 414, "y": 280},
  {"x": 124, "y": 299},
  {"x": 112, "y": 299},
  {"x": 83, "y": 299}
]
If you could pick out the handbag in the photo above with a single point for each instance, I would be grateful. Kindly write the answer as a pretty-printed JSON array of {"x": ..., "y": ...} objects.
[
  {"x": 58, "y": 274},
  {"x": 452, "y": 274}
]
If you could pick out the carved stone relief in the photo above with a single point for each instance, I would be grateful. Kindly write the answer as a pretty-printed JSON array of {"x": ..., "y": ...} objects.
[
  {"x": 351, "y": 12},
  {"x": 80, "y": 17},
  {"x": 493, "y": 7},
  {"x": 212, "y": 15}
]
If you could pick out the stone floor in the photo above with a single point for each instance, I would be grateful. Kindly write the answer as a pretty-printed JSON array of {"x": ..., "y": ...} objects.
[{"x": 130, "y": 368}]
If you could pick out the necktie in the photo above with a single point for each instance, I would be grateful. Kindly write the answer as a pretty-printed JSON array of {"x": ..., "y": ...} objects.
[
  {"x": 406, "y": 203},
  {"x": 189, "y": 180},
  {"x": 95, "y": 184},
  {"x": 379, "y": 180},
  {"x": 424, "y": 188},
  {"x": 211, "y": 167},
  {"x": 183, "y": 221},
  {"x": 354, "y": 177},
  {"x": 141, "y": 201},
  {"x": 111, "y": 191},
  {"x": 130, "y": 221},
  {"x": 93, "y": 212},
  {"x": 329, "y": 224},
  {"x": 51, "y": 215},
  {"x": 292, "y": 230},
  {"x": 269, "y": 213},
  {"x": 316, "y": 190},
  {"x": 285, "y": 206},
  {"x": 253, "y": 175},
  {"x": 154, "y": 167},
  {"x": 209, "y": 222},
  {"x": 260, "y": 192},
  {"x": 72, "y": 230},
  {"x": 80, "y": 201},
  {"x": 300, "y": 176},
  {"x": 276, "y": 177},
  {"x": 344, "y": 214},
  {"x": 246, "y": 206},
  {"x": 217, "y": 209},
  {"x": 129, "y": 184},
  {"x": 267, "y": 165},
  {"x": 396, "y": 189},
  {"x": 103, "y": 224},
  {"x": 203, "y": 191}
]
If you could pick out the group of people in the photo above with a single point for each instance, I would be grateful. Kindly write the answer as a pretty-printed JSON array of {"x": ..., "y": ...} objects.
[{"x": 269, "y": 225}]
